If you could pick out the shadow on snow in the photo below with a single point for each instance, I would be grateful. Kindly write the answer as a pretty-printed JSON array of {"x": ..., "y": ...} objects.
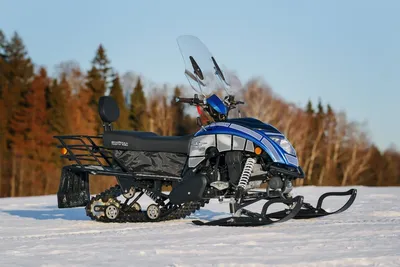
[
  {"x": 78, "y": 214},
  {"x": 51, "y": 213}
]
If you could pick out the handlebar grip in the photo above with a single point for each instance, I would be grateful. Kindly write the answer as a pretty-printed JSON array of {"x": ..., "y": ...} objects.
[
  {"x": 184, "y": 100},
  {"x": 188, "y": 100}
]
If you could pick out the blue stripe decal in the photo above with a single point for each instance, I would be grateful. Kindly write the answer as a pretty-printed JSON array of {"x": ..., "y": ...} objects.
[{"x": 276, "y": 156}]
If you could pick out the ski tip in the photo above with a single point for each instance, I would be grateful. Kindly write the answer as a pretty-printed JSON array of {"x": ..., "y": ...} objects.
[{"x": 198, "y": 222}]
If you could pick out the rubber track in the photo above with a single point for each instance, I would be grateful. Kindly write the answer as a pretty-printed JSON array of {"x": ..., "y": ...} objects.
[{"x": 140, "y": 216}]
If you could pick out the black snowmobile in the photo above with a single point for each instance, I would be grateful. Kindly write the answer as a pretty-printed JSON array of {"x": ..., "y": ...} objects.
[{"x": 228, "y": 158}]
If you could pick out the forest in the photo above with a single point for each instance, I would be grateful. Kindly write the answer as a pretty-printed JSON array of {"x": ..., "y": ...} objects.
[{"x": 34, "y": 106}]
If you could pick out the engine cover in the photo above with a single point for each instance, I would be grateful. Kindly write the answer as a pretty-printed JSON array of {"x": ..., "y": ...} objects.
[{"x": 191, "y": 188}]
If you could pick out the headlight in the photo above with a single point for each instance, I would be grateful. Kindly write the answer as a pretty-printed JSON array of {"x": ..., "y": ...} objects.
[{"x": 284, "y": 144}]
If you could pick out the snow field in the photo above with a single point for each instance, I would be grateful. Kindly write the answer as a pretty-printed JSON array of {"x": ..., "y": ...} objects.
[{"x": 34, "y": 232}]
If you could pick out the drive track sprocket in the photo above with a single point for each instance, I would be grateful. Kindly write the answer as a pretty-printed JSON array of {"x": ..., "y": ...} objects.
[{"x": 169, "y": 212}]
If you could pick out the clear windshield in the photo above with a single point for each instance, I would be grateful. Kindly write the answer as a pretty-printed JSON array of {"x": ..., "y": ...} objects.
[{"x": 204, "y": 73}]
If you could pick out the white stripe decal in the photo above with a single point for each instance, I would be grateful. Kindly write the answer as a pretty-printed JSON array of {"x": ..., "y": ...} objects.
[
  {"x": 292, "y": 160},
  {"x": 268, "y": 144},
  {"x": 246, "y": 130},
  {"x": 223, "y": 124}
]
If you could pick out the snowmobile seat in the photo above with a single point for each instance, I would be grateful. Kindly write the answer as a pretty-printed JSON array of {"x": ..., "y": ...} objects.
[
  {"x": 133, "y": 140},
  {"x": 146, "y": 141}
]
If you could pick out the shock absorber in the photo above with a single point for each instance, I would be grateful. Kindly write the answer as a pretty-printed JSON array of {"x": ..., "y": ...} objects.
[
  {"x": 246, "y": 173},
  {"x": 150, "y": 195},
  {"x": 243, "y": 181}
]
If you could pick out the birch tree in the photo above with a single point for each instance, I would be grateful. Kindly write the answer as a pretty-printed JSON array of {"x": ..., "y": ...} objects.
[{"x": 359, "y": 155}]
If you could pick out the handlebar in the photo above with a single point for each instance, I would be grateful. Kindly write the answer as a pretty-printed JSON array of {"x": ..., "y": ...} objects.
[
  {"x": 229, "y": 101},
  {"x": 191, "y": 101}
]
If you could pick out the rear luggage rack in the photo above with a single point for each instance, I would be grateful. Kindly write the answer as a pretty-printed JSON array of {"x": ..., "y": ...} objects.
[
  {"x": 89, "y": 155},
  {"x": 96, "y": 159},
  {"x": 86, "y": 143}
]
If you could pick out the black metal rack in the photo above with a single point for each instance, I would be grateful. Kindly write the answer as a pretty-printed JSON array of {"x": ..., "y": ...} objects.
[
  {"x": 87, "y": 148},
  {"x": 94, "y": 152}
]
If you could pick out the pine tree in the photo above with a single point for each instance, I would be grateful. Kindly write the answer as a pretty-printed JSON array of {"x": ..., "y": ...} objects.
[
  {"x": 330, "y": 117},
  {"x": 137, "y": 111},
  {"x": 96, "y": 87},
  {"x": 178, "y": 115},
  {"x": 190, "y": 124},
  {"x": 21, "y": 65},
  {"x": 98, "y": 80},
  {"x": 19, "y": 78},
  {"x": 309, "y": 108},
  {"x": 3, "y": 110},
  {"x": 3, "y": 63},
  {"x": 32, "y": 136},
  {"x": 117, "y": 93},
  {"x": 39, "y": 135},
  {"x": 320, "y": 115},
  {"x": 320, "y": 108},
  {"x": 2, "y": 42},
  {"x": 58, "y": 97},
  {"x": 329, "y": 111},
  {"x": 3, "y": 143},
  {"x": 85, "y": 119},
  {"x": 102, "y": 64},
  {"x": 39, "y": 138}
]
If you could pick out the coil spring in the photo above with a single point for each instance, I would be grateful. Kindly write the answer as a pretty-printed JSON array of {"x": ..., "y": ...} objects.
[
  {"x": 150, "y": 194},
  {"x": 248, "y": 168}
]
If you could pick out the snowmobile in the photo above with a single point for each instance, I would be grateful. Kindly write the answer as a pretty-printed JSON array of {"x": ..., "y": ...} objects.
[{"x": 229, "y": 158}]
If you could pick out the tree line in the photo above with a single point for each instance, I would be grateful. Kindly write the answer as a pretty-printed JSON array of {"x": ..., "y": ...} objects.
[
  {"x": 331, "y": 149},
  {"x": 34, "y": 106}
]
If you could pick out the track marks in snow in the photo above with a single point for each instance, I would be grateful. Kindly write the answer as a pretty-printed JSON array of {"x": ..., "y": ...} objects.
[
  {"x": 142, "y": 228},
  {"x": 395, "y": 214}
]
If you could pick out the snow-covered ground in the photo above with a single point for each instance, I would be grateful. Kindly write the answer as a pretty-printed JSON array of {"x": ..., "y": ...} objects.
[{"x": 34, "y": 232}]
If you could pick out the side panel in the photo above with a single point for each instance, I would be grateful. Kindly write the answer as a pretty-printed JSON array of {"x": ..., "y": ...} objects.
[
  {"x": 223, "y": 142},
  {"x": 220, "y": 130},
  {"x": 152, "y": 163}
]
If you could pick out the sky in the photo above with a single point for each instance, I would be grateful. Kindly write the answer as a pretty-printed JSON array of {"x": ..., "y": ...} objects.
[{"x": 343, "y": 52}]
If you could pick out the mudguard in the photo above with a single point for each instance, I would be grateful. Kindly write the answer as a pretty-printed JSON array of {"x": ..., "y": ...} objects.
[
  {"x": 74, "y": 189},
  {"x": 191, "y": 188}
]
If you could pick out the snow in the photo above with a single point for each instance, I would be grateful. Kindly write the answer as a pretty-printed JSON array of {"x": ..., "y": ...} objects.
[{"x": 34, "y": 232}]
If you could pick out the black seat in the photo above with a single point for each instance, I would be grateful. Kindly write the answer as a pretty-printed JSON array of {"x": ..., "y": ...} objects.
[
  {"x": 137, "y": 141},
  {"x": 146, "y": 141}
]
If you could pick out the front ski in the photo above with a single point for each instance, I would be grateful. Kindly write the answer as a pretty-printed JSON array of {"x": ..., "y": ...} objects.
[
  {"x": 309, "y": 212},
  {"x": 256, "y": 219}
]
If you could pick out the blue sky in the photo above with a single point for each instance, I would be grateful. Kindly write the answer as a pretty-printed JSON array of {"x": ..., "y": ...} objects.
[{"x": 344, "y": 52}]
